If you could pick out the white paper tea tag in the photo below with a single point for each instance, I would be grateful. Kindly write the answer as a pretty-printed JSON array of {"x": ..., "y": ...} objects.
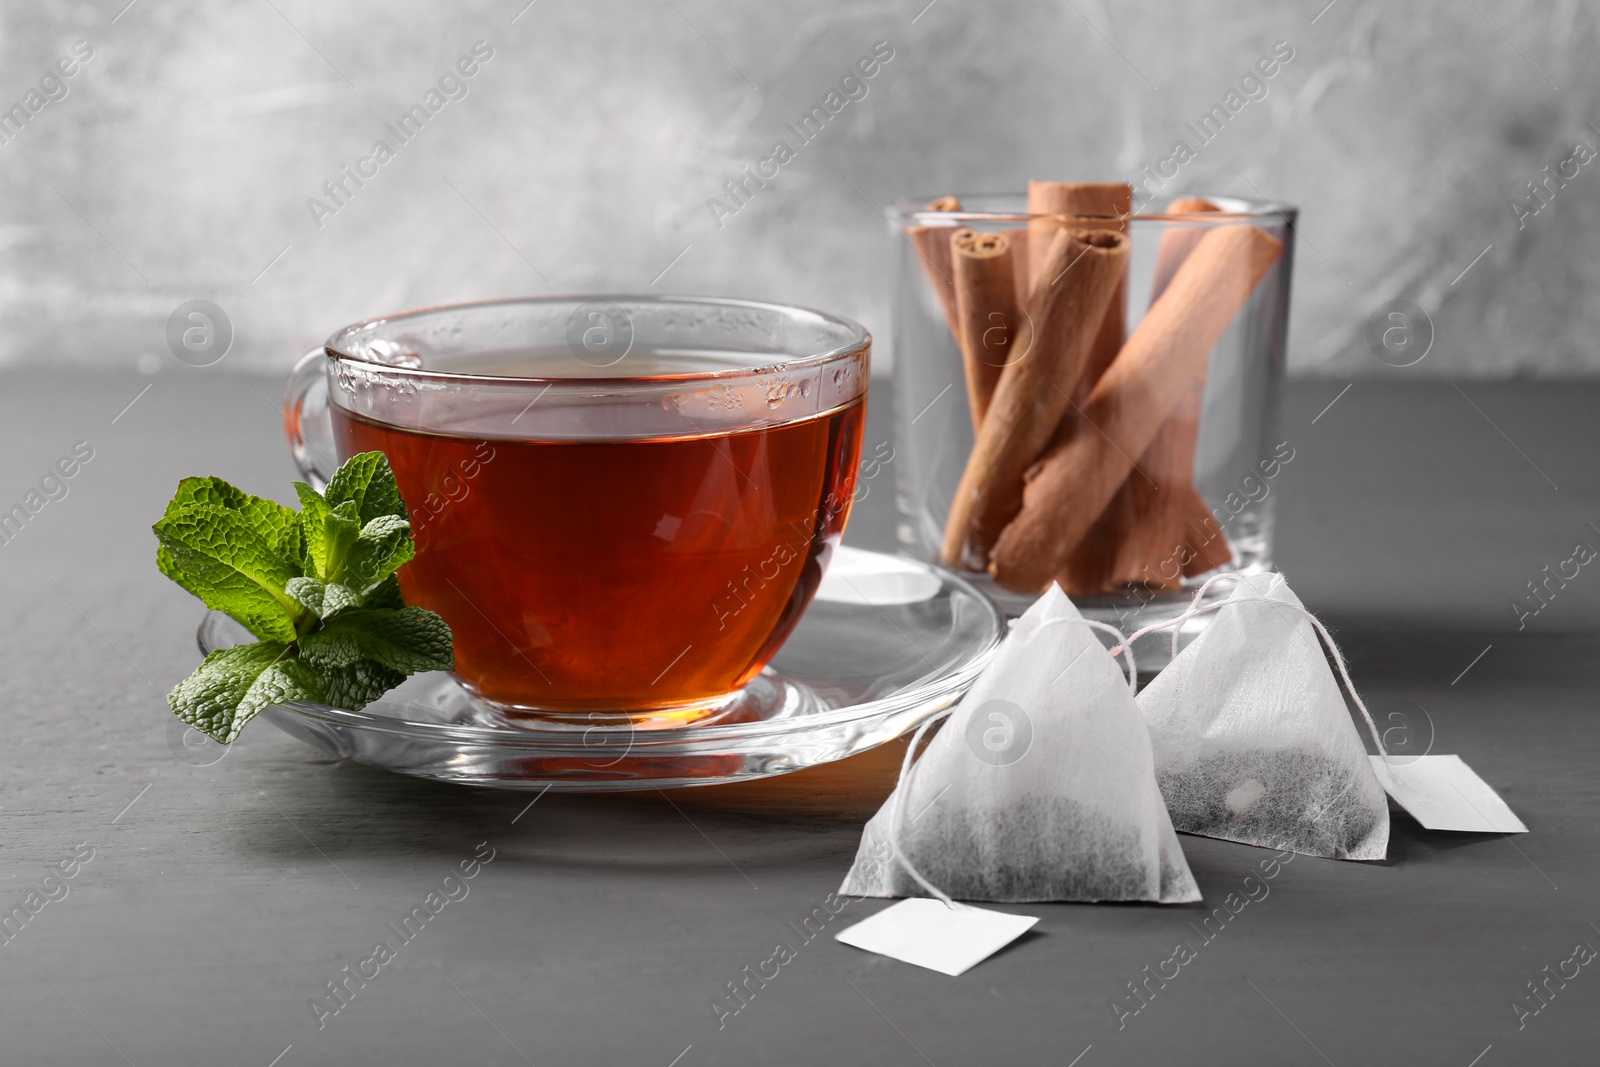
[
  {"x": 1443, "y": 793},
  {"x": 930, "y": 934}
]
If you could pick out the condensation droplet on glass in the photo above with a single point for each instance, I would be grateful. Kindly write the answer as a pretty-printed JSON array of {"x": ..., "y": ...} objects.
[
  {"x": 391, "y": 354},
  {"x": 348, "y": 380}
]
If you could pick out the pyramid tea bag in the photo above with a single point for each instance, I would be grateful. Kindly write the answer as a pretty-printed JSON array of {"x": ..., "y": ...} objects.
[
  {"x": 1040, "y": 786},
  {"x": 1253, "y": 742}
]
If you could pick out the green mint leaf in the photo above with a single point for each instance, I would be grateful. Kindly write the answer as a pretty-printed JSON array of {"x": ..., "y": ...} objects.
[
  {"x": 233, "y": 684},
  {"x": 291, "y": 545},
  {"x": 330, "y": 532},
  {"x": 323, "y": 598},
  {"x": 386, "y": 595},
  {"x": 279, "y": 526},
  {"x": 220, "y": 557},
  {"x": 318, "y": 587},
  {"x": 407, "y": 640},
  {"x": 358, "y": 684},
  {"x": 309, "y": 592},
  {"x": 339, "y": 597},
  {"x": 383, "y": 547},
  {"x": 385, "y": 526},
  {"x": 367, "y": 480}
]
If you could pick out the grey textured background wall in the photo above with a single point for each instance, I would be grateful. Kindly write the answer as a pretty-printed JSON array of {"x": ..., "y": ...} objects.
[{"x": 180, "y": 161}]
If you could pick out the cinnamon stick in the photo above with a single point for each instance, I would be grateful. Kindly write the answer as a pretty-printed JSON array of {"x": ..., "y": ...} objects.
[
  {"x": 1157, "y": 530},
  {"x": 1170, "y": 535},
  {"x": 1021, "y": 265},
  {"x": 1048, "y": 201},
  {"x": 1089, "y": 568},
  {"x": 1072, "y": 484},
  {"x": 987, "y": 314},
  {"x": 1085, "y": 198},
  {"x": 1171, "y": 532},
  {"x": 933, "y": 248},
  {"x": 1177, "y": 242},
  {"x": 1061, "y": 318}
]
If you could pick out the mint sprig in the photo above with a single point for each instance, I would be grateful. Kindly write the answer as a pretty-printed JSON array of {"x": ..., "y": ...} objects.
[{"x": 317, "y": 587}]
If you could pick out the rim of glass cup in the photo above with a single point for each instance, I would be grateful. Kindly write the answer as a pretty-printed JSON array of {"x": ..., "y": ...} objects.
[
  {"x": 914, "y": 210},
  {"x": 859, "y": 340}
]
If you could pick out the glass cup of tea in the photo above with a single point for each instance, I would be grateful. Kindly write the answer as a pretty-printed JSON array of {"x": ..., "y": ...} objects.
[{"x": 622, "y": 505}]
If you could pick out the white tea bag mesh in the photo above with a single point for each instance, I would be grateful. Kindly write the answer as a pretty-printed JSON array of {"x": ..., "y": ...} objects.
[
  {"x": 1040, "y": 787},
  {"x": 1253, "y": 742}
]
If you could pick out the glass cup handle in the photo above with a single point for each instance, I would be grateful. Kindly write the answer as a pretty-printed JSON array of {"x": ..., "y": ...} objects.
[{"x": 306, "y": 420}]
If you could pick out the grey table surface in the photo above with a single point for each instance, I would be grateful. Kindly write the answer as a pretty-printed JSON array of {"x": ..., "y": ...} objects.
[{"x": 219, "y": 900}]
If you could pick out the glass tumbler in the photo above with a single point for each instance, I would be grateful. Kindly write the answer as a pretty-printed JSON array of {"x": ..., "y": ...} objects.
[{"x": 1133, "y": 459}]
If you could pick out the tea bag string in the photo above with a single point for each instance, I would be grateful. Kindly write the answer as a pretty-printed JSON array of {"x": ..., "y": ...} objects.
[
  {"x": 1195, "y": 609},
  {"x": 907, "y": 768}
]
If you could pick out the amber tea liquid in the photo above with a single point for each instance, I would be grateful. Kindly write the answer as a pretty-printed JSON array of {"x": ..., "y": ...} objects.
[{"x": 590, "y": 575}]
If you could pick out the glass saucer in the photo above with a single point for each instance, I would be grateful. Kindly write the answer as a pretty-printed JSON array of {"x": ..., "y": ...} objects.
[{"x": 887, "y": 642}]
